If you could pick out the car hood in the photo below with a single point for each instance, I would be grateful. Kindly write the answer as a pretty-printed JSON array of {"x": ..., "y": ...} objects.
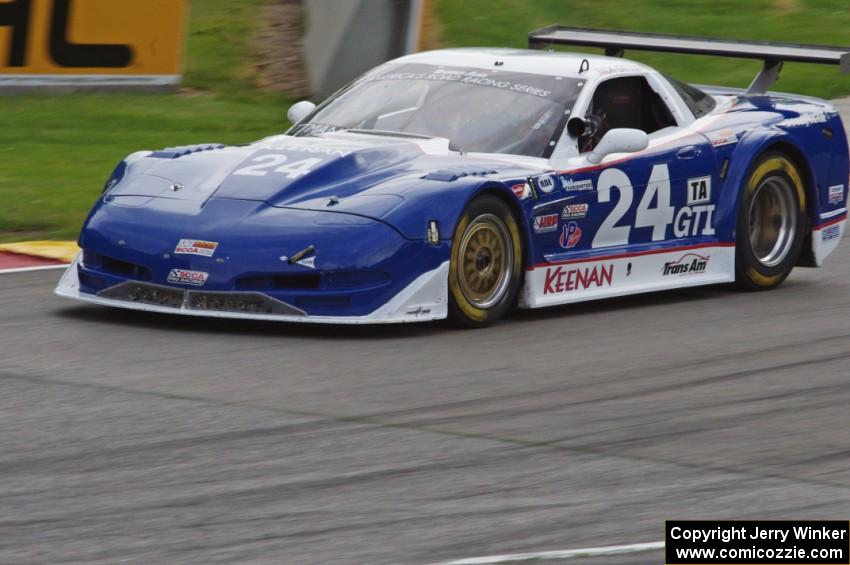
[{"x": 357, "y": 173}]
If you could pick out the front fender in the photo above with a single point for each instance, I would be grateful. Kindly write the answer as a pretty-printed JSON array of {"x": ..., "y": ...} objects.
[{"x": 443, "y": 201}]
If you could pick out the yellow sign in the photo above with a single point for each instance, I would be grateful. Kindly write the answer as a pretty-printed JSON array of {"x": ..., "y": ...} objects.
[{"x": 91, "y": 42}]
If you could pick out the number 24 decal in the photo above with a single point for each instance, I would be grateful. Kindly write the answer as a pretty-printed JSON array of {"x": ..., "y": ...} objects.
[
  {"x": 277, "y": 163},
  {"x": 688, "y": 221}
]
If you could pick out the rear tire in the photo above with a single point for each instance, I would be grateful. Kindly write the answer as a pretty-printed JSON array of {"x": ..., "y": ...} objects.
[
  {"x": 772, "y": 223},
  {"x": 485, "y": 271}
]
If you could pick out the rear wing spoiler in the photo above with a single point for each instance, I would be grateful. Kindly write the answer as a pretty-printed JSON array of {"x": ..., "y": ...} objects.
[{"x": 772, "y": 54}]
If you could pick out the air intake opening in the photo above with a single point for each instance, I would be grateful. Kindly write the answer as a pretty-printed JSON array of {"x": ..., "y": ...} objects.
[{"x": 116, "y": 267}]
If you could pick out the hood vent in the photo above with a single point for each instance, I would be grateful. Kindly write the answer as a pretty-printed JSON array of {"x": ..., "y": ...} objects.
[
  {"x": 176, "y": 152},
  {"x": 449, "y": 175}
]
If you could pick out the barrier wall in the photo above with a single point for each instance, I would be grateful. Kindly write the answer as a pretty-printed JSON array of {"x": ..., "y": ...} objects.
[{"x": 346, "y": 39}]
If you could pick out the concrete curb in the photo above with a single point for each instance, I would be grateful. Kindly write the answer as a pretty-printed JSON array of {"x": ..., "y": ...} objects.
[{"x": 53, "y": 251}]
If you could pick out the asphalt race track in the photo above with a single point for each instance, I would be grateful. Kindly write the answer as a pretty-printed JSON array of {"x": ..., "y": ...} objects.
[{"x": 135, "y": 438}]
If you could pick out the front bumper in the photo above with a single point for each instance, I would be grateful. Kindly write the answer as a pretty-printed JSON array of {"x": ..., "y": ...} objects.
[
  {"x": 143, "y": 255},
  {"x": 424, "y": 299}
]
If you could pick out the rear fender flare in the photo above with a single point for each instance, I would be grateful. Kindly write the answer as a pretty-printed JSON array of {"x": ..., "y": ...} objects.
[{"x": 749, "y": 149}]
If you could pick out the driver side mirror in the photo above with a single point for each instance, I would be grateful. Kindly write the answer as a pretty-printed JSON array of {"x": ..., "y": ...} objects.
[
  {"x": 619, "y": 140},
  {"x": 300, "y": 110}
]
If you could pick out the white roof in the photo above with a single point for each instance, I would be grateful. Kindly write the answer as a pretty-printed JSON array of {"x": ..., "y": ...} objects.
[{"x": 526, "y": 61}]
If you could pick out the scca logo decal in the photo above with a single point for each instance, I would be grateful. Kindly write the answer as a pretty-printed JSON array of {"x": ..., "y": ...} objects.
[{"x": 64, "y": 53}]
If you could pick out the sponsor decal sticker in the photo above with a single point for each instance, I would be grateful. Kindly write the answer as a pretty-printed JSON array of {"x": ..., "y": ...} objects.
[
  {"x": 694, "y": 221},
  {"x": 521, "y": 190},
  {"x": 419, "y": 311},
  {"x": 546, "y": 183},
  {"x": 836, "y": 194},
  {"x": 831, "y": 233},
  {"x": 575, "y": 211},
  {"x": 687, "y": 264},
  {"x": 570, "y": 236},
  {"x": 568, "y": 279},
  {"x": 309, "y": 262},
  {"x": 699, "y": 190},
  {"x": 307, "y": 144},
  {"x": 478, "y": 77},
  {"x": 805, "y": 120},
  {"x": 723, "y": 137},
  {"x": 571, "y": 185},
  {"x": 545, "y": 224},
  {"x": 195, "y": 247},
  {"x": 182, "y": 276}
]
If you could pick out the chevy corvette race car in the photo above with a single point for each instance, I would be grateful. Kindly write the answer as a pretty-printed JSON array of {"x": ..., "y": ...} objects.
[{"x": 461, "y": 183}]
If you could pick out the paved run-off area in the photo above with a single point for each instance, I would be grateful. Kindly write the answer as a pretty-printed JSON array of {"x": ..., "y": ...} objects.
[{"x": 136, "y": 438}]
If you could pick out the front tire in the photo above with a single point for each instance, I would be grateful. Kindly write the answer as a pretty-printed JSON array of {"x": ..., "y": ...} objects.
[
  {"x": 485, "y": 271},
  {"x": 772, "y": 223}
]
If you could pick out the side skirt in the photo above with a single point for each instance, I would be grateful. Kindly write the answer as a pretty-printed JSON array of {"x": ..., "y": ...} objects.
[
  {"x": 825, "y": 237},
  {"x": 628, "y": 273}
]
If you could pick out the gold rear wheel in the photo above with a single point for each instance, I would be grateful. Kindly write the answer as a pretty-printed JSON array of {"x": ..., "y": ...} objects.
[{"x": 772, "y": 222}]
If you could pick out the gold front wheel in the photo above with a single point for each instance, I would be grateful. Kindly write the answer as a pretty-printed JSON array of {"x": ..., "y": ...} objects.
[
  {"x": 485, "y": 271},
  {"x": 486, "y": 261}
]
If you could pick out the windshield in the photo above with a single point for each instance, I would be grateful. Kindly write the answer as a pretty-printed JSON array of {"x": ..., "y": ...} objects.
[{"x": 478, "y": 110}]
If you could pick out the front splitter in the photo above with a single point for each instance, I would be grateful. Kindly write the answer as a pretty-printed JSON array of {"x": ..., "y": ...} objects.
[{"x": 423, "y": 300}]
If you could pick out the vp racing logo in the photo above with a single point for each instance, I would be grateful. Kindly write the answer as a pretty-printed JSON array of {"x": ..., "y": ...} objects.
[
  {"x": 570, "y": 236},
  {"x": 687, "y": 264}
]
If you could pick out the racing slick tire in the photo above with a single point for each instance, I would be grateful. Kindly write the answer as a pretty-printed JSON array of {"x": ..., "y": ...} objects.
[
  {"x": 485, "y": 271},
  {"x": 772, "y": 223}
]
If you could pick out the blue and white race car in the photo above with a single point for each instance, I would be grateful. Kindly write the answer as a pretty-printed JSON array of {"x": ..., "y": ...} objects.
[{"x": 461, "y": 183}]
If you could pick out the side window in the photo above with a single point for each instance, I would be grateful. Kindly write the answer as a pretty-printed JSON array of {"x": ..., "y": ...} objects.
[
  {"x": 698, "y": 101},
  {"x": 627, "y": 102}
]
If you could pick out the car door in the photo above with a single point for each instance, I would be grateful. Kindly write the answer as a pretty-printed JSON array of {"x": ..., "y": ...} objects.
[
  {"x": 633, "y": 201},
  {"x": 694, "y": 185}
]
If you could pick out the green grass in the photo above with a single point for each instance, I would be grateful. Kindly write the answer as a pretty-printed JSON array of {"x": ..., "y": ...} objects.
[
  {"x": 56, "y": 151},
  {"x": 506, "y": 23},
  {"x": 218, "y": 49}
]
